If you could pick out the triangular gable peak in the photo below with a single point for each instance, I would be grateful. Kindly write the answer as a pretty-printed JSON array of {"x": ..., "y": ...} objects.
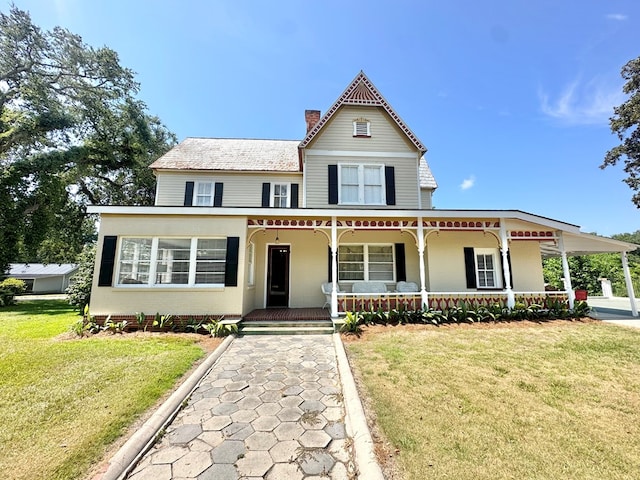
[{"x": 362, "y": 92}]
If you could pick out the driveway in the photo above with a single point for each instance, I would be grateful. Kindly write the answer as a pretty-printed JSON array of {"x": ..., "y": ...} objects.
[{"x": 614, "y": 310}]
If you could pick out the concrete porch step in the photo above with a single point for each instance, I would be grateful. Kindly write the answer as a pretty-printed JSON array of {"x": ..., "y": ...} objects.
[{"x": 285, "y": 327}]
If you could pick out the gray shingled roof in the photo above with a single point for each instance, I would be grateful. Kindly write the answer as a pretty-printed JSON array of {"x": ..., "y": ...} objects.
[
  {"x": 30, "y": 270},
  {"x": 426, "y": 177},
  {"x": 231, "y": 154},
  {"x": 242, "y": 154}
]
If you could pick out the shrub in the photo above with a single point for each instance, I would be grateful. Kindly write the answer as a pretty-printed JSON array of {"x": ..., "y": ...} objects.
[
  {"x": 9, "y": 288},
  {"x": 79, "y": 291}
]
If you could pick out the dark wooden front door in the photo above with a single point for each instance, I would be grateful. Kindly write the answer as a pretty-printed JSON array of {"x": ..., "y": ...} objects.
[{"x": 278, "y": 276}]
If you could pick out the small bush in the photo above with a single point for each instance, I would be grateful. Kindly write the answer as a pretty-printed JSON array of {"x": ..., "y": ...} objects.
[
  {"x": 9, "y": 288},
  {"x": 79, "y": 291}
]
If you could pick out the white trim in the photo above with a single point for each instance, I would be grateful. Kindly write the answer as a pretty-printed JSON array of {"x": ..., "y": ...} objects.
[
  {"x": 344, "y": 213},
  {"x": 153, "y": 263},
  {"x": 495, "y": 254},
  {"x": 196, "y": 186},
  {"x": 357, "y": 153},
  {"x": 272, "y": 194},
  {"x": 361, "y": 182},
  {"x": 365, "y": 251}
]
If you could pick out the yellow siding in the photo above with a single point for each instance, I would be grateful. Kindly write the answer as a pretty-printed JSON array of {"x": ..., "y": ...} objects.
[
  {"x": 446, "y": 261},
  {"x": 196, "y": 301},
  {"x": 385, "y": 135},
  {"x": 241, "y": 189},
  {"x": 317, "y": 179}
]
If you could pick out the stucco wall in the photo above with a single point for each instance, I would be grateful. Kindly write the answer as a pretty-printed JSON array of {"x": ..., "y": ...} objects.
[{"x": 169, "y": 300}]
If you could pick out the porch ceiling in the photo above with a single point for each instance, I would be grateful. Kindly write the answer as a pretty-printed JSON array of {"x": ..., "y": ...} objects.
[{"x": 586, "y": 244}]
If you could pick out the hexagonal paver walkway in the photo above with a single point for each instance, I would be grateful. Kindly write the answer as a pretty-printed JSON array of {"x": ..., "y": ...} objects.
[{"x": 271, "y": 408}]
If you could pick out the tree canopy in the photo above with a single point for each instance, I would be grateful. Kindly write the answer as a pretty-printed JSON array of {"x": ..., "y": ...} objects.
[
  {"x": 72, "y": 133},
  {"x": 625, "y": 123}
]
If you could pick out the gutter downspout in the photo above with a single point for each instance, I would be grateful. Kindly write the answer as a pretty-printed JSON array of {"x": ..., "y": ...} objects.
[{"x": 627, "y": 280}]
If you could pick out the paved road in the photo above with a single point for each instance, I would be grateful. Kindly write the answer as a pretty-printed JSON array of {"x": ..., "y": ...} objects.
[{"x": 271, "y": 408}]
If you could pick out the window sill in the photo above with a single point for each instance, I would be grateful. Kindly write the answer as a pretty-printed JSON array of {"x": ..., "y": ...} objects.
[{"x": 174, "y": 288}]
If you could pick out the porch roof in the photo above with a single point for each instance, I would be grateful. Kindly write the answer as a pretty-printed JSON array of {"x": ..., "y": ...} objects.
[{"x": 586, "y": 244}]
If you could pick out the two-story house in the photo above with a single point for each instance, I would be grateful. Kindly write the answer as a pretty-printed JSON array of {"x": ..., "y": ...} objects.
[{"x": 342, "y": 219}]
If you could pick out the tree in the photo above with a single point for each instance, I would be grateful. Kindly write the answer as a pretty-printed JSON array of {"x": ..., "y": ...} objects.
[
  {"x": 72, "y": 133},
  {"x": 79, "y": 291},
  {"x": 625, "y": 123}
]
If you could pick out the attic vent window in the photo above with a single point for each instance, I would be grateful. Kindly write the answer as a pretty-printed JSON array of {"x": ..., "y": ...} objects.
[{"x": 361, "y": 128}]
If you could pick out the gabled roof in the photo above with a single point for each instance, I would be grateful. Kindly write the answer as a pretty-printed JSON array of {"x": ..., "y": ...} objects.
[
  {"x": 32, "y": 270},
  {"x": 362, "y": 92},
  {"x": 240, "y": 154}
]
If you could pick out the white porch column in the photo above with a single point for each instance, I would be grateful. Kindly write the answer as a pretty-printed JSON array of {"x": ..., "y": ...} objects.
[
  {"x": 627, "y": 279},
  {"x": 504, "y": 249},
  {"x": 423, "y": 282},
  {"x": 334, "y": 267},
  {"x": 565, "y": 271}
]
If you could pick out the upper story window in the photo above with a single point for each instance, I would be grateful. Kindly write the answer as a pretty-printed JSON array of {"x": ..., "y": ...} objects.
[
  {"x": 280, "y": 197},
  {"x": 361, "y": 184},
  {"x": 361, "y": 128},
  {"x": 203, "y": 194}
]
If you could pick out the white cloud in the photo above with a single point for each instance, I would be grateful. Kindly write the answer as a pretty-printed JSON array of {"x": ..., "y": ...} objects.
[
  {"x": 583, "y": 103},
  {"x": 620, "y": 17},
  {"x": 467, "y": 183}
]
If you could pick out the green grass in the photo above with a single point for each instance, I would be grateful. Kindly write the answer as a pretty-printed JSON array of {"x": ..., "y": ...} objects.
[
  {"x": 560, "y": 400},
  {"x": 62, "y": 402}
]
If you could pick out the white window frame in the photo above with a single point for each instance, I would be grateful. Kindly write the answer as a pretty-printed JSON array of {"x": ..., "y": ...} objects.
[
  {"x": 272, "y": 196},
  {"x": 153, "y": 268},
  {"x": 197, "y": 195},
  {"x": 357, "y": 128},
  {"x": 366, "y": 261},
  {"x": 361, "y": 185},
  {"x": 497, "y": 277}
]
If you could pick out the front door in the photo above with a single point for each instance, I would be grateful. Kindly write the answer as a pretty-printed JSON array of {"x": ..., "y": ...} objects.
[{"x": 278, "y": 276}]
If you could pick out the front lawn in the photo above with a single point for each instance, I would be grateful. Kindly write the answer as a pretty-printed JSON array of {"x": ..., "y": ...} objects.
[
  {"x": 63, "y": 401},
  {"x": 555, "y": 400}
]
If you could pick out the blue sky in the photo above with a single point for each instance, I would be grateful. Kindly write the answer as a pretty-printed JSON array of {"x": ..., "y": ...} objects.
[{"x": 511, "y": 97}]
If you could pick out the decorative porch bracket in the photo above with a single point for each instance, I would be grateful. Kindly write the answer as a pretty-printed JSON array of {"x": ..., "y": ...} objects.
[
  {"x": 565, "y": 271},
  {"x": 504, "y": 249},
  {"x": 627, "y": 280}
]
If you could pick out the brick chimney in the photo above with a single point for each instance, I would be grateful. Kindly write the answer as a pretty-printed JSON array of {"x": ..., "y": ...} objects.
[{"x": 312, "y": 117}]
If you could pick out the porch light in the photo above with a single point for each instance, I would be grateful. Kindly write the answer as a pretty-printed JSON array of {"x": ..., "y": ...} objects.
[{"x": 277, "y": 237}]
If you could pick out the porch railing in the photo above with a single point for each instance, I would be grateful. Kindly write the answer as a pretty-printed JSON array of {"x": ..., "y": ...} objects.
[{"x": 440, "y": 300}]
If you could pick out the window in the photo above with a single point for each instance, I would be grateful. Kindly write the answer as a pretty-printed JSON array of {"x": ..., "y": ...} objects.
[
  {"x": 203, "y": 194},
  {"x": 487, "y": 268},
  {"x": 135, "y": 261},
  {"x": 361, "y": 128},
  {"x": 361, "y": 184},
  {"x": 251, "y": 275},
  {"x": 280, "y": 195},
  {"x": 172, "y": 261},
  {"x": 366, "y": 262}
]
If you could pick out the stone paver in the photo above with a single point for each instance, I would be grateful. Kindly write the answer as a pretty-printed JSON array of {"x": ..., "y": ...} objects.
[{"x": 270, "y": 408}]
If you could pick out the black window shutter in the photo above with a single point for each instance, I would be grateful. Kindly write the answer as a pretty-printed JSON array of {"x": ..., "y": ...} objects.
[
  {"x": 188, "y": 194},
  {"x": 390, "y": 182},
  {"x": 266, "y": 194},
  {"x": 401, "y": 267},
  {"x": 333, "y": 184},
  {"x": 217, "y": 194},
  {"x": 294, "y": 195},
  {"x": 470, "y": 267},
  {"x": 231, "y": 262},
  {"x": 330, "y": 271},
  {"x": 107, "y": 261}
]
